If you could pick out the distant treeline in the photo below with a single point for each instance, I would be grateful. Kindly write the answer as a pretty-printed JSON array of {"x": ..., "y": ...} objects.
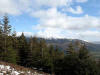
[{"x": 37, "y": 54}]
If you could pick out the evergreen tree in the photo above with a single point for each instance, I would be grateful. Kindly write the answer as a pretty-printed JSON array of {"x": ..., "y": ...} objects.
[
  {"x": 30, "y": 56},
  {"x": 70, "y": 49},
  {"x": 98, "y": 65},
  {"x": 33, "y": 53},
  {"x": 6, "y": 26},
  {"x": 15, "y": 44},
  {"x": 45, "y": 56},
  {"x": 22, "y": 50},
  {"x": 83, "y": 53},
  {"x": 8, "y": 54},
  {"x": 86, "y": 65},
  {"x": 76, "y": 63},
  {"x": 34, "y": 49},
  {"x": 6, "y": 29},
  {"x": 1, "y": 42}
]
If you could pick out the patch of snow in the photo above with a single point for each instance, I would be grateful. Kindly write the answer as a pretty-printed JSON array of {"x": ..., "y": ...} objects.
[{"x": 12, "y": 71}]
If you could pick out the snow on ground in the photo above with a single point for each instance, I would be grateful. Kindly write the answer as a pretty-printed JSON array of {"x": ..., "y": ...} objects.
[{"x": 8, "y": 70}]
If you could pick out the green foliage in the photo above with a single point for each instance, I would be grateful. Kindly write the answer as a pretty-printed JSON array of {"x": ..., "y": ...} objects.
[
  {"x": 76, "y": 63},
  {"x": 33, "y": 53},
  {"x": 7, "y": 52},
  {"x": 22, "y": 50},
  {"x": 5, "y": 26}
]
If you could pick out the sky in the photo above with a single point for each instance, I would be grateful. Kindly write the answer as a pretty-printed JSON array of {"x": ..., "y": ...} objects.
[{"x": 74, "y": 19}]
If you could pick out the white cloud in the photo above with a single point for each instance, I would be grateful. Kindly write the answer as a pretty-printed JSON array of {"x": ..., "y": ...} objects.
[
  {"x": 14, "y": 7},
  {"x": 25, "y": 33},
  {"x": 90, "y": 35},
  {"x": 8, "y": 6},
  {"x": 78, "y": 10},
  {"x": 51, "y": 33},
  {"x": 52, "y": 18},
  {"x": 17, "y": 7},
  {"x": 55, "y": 3},
  {"x": 55, "y": 24},
  {"x": 52, "y": 3},
  {"x": 58, "y": 33}
]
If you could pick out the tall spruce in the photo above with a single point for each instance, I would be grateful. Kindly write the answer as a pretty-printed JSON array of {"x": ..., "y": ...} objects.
[
  {"x": 32, "y": 52},
  {"x": 70, "y": 50},
  {"x": 6, "y": 26},
  {"x": 8, "y": 53},
  {"x": 34, "y": 47},
  {"x": 15, "y": 44},
  {"x": 22, "y": 50},
  {"x": 1, "y": 42},
  {"x": 86, "y": 66}
]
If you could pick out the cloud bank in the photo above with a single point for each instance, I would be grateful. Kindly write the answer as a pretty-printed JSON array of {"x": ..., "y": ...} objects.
[{"x": 53, "y": 17}]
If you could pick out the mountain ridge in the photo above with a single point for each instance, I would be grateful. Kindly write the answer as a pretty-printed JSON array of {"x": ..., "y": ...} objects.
[{"x": 64, "y": 43}]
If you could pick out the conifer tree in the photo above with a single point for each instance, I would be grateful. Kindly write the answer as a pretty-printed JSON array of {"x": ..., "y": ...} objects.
[
  {"x": 83, "y": 52},
  {"x": 22, "y": 50},
  {"x": 71, "y": 50},
  {"x": 6, "y": 26},
  {"x": 34, "y": 48},
  {"x": 15, "y": 44},
  {"x": 1, "y": 42},
  {"x": 32, "y": 52},
  {"x": 6, "y": 29},
  {"x": 8, "y": 53},
  {"x": 45, "y": 56},
  {"x": 86, "y": 66}
]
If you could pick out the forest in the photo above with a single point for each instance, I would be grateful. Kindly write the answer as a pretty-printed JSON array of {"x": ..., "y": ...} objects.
[{"x": 36, "y": 54}]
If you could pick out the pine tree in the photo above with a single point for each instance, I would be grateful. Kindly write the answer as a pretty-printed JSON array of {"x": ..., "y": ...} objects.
[
  {"x": 58, "y": 54},
  {"x": 83, "y": 52},
  {"x": 15, "y": 44},
  {"x": 6, "y": 26},
  {"x": 70, "y": 50},
  {"x": 86, "y": 66},
  {"x": 22, "y": 50},
  {"x": 0, "y": 28},
  {"x": 1, "y": 42},
  {"x": 44, "y": 55},
  {"x": 8, "y": 53},
  {"x": 6, "y": 29},
  {"x": 32, "y": 52},
  {"x": 34, "y": 48},
  {"x": 98, "y": 65}
]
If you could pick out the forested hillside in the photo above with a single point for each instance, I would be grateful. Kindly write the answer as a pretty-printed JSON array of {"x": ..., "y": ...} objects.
[
  {"x": 38, "y": 54},
  {"x": 62, "y": 43}
]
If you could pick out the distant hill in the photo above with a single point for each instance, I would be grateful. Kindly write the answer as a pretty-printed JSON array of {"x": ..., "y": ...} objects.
[
  {"x": 96, "y": 42},
  {"x": 63, "y": 43}
]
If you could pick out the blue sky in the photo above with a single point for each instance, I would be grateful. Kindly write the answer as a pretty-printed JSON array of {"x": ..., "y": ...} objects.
[{"x": 76, "y": 19}]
